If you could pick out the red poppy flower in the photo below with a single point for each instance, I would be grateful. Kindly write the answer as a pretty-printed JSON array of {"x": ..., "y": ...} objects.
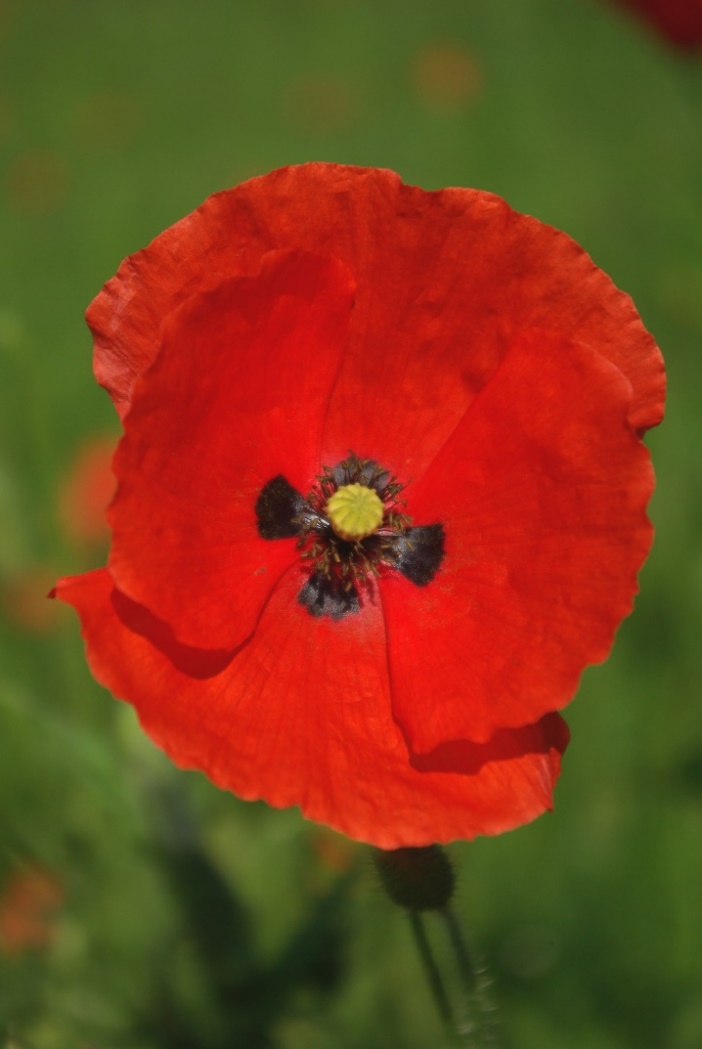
[
  {"x": 680, "y": 21},
  {"x": 381, "y": 497}
]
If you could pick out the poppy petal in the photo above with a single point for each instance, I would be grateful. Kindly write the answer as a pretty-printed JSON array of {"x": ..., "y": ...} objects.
[
  {"x": 449, "y": 276},
  {"x": 236, "y": 397},
  {"x": 542, "y": 492},
  {"x": 678, "y": 20},
  {"x": 318, "y": 731}
]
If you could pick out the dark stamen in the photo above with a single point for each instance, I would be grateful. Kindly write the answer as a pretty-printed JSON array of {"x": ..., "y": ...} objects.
[
  {"x": 321, "y": 598},
  {"x": 418, "y": 553},
  {"x": 339, "y": 566},
  {"x": 279, "y": 509}
]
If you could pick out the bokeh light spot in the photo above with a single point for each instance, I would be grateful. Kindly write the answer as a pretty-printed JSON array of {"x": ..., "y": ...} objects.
[
  {"x": 445, "y": 75},
  {"x": 320, "y": 104},
  {"x": 86, "y": 491},
  {"x": 28, "y": 906},
  {"x": 108, "y": 121},
  {"x": 37, "y": 183},
  {"x": 24, "y": 599}
]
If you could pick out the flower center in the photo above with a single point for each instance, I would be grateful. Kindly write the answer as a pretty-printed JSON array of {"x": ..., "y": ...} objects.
[
  {"x": 350, "y": 528},
  {"x": 355, "y": 511},
  {"x": 348, "y": 520}
]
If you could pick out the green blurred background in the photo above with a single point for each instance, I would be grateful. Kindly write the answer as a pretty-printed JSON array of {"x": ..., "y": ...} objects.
[{"x": 140, "y": 908}]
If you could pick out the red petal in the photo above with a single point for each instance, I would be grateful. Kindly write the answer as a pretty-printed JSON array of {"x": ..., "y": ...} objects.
[
  {"x": 542, "y": 491},
  {"x": 236, "y": 397},
  {"x": 678, "y": 20},
  {"x": 301, "y": 716},
  {"x": 445, "y": 280}
]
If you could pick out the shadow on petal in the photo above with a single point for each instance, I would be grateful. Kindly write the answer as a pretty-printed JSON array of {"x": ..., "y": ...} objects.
[
  {"x": 199, "y": 663},
  {"x": 467, "y": 758}
]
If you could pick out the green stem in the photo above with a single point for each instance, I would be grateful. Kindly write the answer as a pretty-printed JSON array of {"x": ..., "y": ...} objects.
[
  {"x": 474, "y": 999},
  {"x": 432, "y": 971},
  {"x": 421, "y": 880}
]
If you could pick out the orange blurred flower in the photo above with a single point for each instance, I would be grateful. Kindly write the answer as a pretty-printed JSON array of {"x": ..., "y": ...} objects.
[
  {"x": 37, "y": 183},
  {"x": 445, "y": 75},
  {"x": 28, "y": 905},
  {"x": 107, "y": 121},
  {"x": 23, "y": 599},
  {"x": 87, "y": 490}
]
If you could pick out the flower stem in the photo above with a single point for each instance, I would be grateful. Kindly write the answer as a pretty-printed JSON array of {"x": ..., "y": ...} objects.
[
  {"x": 460, "y": 999},
  {"x": 474, "y": 1024},
  {"x": 421, "y": 880},
  {"x": 431, "y": 969}
]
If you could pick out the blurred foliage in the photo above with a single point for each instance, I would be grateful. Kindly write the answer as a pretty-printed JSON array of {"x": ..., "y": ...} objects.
[{"x": 140, "y": 908}]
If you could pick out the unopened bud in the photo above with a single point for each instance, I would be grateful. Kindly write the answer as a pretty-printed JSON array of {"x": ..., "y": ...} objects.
[{"x": 420, "y": 879}]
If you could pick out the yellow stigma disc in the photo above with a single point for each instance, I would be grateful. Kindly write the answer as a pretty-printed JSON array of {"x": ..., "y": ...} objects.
[{"x": 355, "y": 511}]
